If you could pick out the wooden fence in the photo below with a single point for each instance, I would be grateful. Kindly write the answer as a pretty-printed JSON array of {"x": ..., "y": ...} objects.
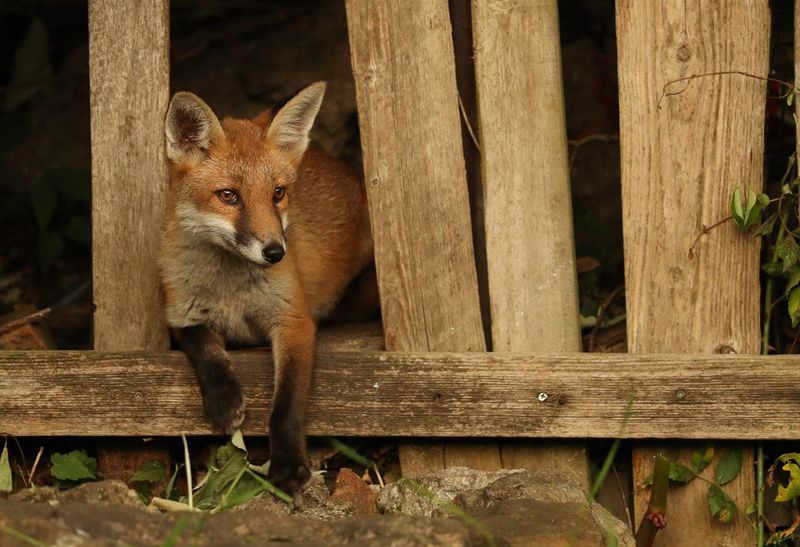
[{"x": 682, "y": 155}]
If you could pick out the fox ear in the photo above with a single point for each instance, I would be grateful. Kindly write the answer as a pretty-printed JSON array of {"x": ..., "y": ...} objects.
[
  {"x": 191, "y": 127},
  {"x": 290, "y": 126}
]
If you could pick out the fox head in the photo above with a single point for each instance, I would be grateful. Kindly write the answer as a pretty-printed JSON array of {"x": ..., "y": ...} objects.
[{"x": 233, "y": 180}]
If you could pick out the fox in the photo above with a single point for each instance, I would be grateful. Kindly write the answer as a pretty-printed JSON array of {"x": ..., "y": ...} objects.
[{"x": 263, "y": 234}]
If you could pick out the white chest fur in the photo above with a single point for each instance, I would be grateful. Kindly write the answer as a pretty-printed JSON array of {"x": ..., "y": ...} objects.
[{"x": 214, "y": 287}]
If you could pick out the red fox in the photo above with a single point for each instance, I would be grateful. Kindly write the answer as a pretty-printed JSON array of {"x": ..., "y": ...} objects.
[{"x": 262, "y": 236}]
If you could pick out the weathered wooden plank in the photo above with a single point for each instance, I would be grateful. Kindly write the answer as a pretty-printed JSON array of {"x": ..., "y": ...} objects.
[
  {"x": 526, "y": 194},
  {"x": 129, "y": 83},
  {"x": 404, "y": 69},
  {"x": 682, "y": 155},
  {"x": 369, "y": 393}
]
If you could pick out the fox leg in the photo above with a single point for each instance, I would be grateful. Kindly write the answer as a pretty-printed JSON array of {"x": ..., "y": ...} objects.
[
  {"x": 293, "y": 347},
  {"x": 222, "y": 394}
]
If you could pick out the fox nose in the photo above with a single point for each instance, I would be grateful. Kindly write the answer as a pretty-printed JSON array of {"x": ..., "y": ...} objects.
[{"x": 273, "y": 253}]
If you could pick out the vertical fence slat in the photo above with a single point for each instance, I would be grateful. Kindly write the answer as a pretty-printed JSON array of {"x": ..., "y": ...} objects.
[
  {"x": 680, "y": 163},
  {"x": 129, "y": 81},
  {"x": 528, "y": 213},
  {"x": 403, "y": 63}
]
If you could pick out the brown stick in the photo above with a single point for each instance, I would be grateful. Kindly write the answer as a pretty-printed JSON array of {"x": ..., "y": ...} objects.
[
  {"x": 601, "y": 315},
  {"x": 21, "y": 322}
]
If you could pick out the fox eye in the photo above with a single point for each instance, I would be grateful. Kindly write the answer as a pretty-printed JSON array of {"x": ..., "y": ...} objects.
[
  {"x": 279, "y": 193},
  {"x": 228, "y": 196}
]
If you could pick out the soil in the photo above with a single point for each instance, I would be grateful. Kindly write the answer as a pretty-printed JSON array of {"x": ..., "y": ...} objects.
[{"x": 512, "y": 508}]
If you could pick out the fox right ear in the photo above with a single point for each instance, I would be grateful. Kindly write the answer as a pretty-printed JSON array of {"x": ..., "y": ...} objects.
[{"x": 191, "y": 127}]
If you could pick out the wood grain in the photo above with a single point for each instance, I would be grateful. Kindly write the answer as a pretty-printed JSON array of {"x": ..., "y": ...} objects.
[
  {"x": 682, "y": 156},
  {"x": 404, "y": 69},
  {"x": 129, "y": 83},
  {"x": 528, "y": 213},
  {"x": 369, "y": 393}
]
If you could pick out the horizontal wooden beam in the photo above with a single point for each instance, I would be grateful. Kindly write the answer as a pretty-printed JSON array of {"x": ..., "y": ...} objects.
[{"x": 374, "y": 393}]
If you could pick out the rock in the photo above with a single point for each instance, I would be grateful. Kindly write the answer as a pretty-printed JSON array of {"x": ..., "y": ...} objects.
[
  {"x": 90, "y": 525},
  {"x": 315, "y": 503},
  {"x": 403, "y": 497},
  {"x": 107, "y": 492},
  {"x": 350, "y": 489},
  {"x": 517, "y": 506}
]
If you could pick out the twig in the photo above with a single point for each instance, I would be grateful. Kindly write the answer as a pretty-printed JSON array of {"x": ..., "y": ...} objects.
[
  {"x": 688, "y": 80},
  {"x": 21, "y": 322},
  {"x": 623, "y": 496},
  {"x": 577, "y": 144},
  {"x": 704, "y": 231},
  {"x": 188, "y": 470},
  {"x": 35, "y": 465},
  {"x": 466, "y": 122},
  {"x": 601, "y": 315},
  {"x": 378, "y": 474}
]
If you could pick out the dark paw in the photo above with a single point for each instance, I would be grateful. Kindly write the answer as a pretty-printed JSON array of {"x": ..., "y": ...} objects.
[
  {"x": 288, "y": 473},
  {"x": 224, "y": 404}
]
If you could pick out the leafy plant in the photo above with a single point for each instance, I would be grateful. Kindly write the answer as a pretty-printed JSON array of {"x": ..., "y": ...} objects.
[
  {"x": 149, "y": 473},
  {"x": 728, "y": 467},
  {"x": 72, "y": 468}
]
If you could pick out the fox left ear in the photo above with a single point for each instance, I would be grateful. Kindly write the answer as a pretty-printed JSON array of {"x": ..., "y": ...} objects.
[
  {"x": 290, "y": 126},
  {"x": 191, "y": 127}
]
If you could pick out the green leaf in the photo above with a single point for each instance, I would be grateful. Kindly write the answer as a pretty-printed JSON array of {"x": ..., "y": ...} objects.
[
  {"x": 169, "y": 493},
  {"x": 751, "y": 508},
  {"x": 702, "y": 459},
  {"x": 793, "y": 276},
  {"x": 790, "y": 98},
  {"x": 680, "y": 473},
  {"x": 150, "y": 471},
  {"x": 145, "y": 493},
  {"x": 788, "y": 252},
  {"x": 721, "y": 506},
  {"x": 767, "y": 226},
  {"x": 794, "y": 306},
  {"x": 229, "y": 463},
  {"x": 792, "y": 489},
  {"x": 729, "y": 465},
  {"x": 74, "y": 466},
  {"x": 737, "y": 208},
  {"x": 6, "y": 483}
]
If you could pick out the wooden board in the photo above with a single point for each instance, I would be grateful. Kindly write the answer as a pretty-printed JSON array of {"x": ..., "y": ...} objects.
[
  {"x": 129, "y": 83},
  {"x": 369, "y": 393},
  {"x": 528, "y": 214},
  {"x": 404, "y": 69},
  {"x": 682, "y": 156}
]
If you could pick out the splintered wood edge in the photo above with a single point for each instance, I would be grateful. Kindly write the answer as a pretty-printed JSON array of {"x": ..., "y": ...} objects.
[{"x": 376, "y": 393}]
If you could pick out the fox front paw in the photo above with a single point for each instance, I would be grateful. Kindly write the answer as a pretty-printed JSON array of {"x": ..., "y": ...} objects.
[
  {"x": 224, "y": 404},
  {"x": 288, "y": 473}
]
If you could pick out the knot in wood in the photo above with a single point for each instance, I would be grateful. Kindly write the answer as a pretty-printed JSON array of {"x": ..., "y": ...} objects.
[{"x": 684, "y": 53}]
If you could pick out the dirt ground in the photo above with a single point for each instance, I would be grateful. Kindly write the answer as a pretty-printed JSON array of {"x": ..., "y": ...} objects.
[{"x": 460, "y": 507}]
